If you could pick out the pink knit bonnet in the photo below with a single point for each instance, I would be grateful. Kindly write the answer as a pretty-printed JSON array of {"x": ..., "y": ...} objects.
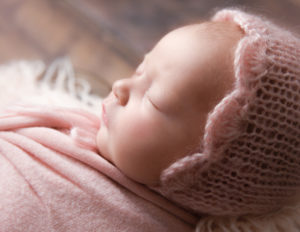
[{"x": 250, "y": 159}]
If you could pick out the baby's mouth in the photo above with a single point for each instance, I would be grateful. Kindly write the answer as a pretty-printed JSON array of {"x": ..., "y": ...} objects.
[
  {"x": 104, "y": 115},
  {"x": 108, "y": 102}
]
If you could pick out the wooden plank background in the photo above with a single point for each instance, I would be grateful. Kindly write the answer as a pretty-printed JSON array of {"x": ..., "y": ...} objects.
[{"x": 106, "y": 39}]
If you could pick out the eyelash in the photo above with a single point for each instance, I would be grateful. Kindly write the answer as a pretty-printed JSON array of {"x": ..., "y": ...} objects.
[{"x": 140, "y": 72}]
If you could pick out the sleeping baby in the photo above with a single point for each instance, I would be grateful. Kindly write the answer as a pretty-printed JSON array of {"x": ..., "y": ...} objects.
[{"x": 206, "y": 130}]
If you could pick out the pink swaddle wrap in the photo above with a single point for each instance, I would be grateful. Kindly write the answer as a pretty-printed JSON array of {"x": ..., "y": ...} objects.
[{"x": 53, "y": 179}]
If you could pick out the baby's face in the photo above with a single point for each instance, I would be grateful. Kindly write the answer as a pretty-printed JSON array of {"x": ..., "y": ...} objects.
[{"x": 158, "y": 115}]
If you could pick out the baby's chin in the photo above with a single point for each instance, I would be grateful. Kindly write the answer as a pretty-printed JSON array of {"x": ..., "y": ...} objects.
[{"x": 101, "y": 144}]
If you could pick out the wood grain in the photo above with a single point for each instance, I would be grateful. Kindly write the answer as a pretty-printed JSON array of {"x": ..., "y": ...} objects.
[{"x": 105, "y": 39}]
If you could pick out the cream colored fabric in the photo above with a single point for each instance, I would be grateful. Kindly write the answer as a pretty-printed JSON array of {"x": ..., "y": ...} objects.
[{"x": 23, "y": 81}]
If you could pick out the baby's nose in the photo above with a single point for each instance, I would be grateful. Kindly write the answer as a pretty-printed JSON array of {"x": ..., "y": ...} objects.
[{"x": 121, "y": 89}]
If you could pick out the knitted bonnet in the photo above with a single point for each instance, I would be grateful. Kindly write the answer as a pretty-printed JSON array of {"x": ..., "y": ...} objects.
[{"x": 249, "y": 162}]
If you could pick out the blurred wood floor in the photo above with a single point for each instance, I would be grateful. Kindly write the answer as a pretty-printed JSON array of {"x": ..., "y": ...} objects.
[{"x": 106, "y": 39}]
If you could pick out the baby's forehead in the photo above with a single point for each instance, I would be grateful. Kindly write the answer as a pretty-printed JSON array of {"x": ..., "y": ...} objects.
[
  {"x": 203, "y": 36},
  {"x": 195, "y": 59},
  {"x": 213, "y": 65}
]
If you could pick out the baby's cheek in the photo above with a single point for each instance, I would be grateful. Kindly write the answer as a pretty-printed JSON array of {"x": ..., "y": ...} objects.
[
  {"x": 135, "y": 150},
  {"x": 140, "y": 126},
  {"x": 138, "y": 136}
]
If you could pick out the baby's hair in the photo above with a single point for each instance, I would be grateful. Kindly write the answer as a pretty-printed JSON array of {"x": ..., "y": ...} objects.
[
  {"x": 220, "y": 28},
  {"x": 219, "y": 32}
]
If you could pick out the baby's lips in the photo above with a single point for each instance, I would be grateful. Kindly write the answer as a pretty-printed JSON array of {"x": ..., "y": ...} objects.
[{"x": 104, "y": 115}]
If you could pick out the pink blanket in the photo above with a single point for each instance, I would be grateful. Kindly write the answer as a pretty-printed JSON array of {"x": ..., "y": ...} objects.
[{"x": 53, "y": 179}]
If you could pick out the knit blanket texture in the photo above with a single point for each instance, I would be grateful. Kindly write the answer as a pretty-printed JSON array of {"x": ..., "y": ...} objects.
[{"x": 52, "y": 177}]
